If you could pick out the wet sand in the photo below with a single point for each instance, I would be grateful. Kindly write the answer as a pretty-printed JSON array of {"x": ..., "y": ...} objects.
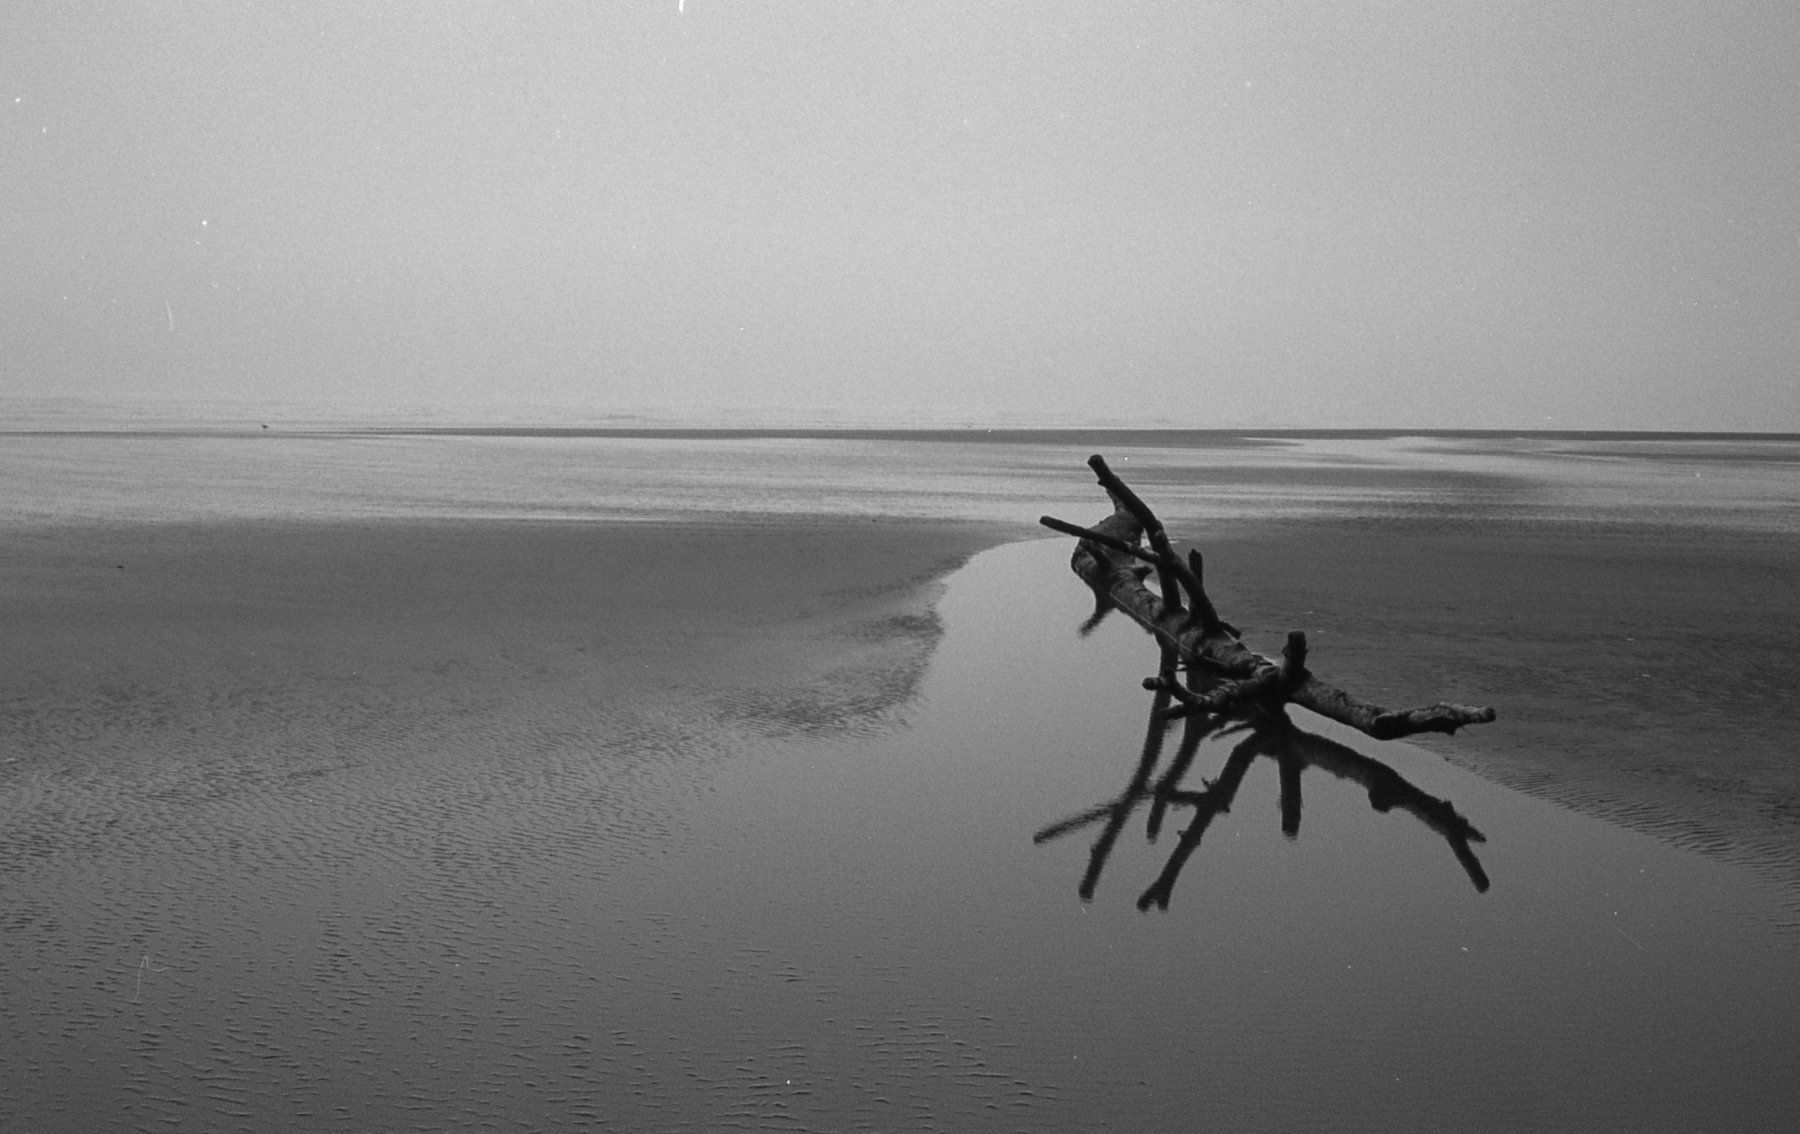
[
  {"x": 1641, "y": 675},
  {"x": 611, "y": 826},
  {"x": 122, "y": 631},
  {"x": 283, "y": 781}
]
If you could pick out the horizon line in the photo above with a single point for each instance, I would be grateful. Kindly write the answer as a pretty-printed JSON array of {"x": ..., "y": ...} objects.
[{"x": 1015, "y": 434}]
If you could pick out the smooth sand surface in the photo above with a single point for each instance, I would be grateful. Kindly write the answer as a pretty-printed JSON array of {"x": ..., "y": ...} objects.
[
  {"x": 1640, "y": 675},
  {"x": 161, "y": 629}
]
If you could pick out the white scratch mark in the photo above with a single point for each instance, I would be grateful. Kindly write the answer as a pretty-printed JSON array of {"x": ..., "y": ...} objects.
[
  {"x": 171, "y": 312},
  {"x": 142, "y": 967}
]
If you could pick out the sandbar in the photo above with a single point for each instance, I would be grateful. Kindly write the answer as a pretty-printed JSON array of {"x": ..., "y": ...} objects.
[{"x": 131, "y": 634}]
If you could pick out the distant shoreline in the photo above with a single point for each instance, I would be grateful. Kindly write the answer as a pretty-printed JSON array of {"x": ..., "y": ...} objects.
[{"x": 1047, "y": 436}]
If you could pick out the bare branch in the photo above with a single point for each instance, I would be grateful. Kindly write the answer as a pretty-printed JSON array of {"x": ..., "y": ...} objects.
[
  {"x": 1384, "y": 724},
  {"x": 1109, "y": 558},
  {"x": 1103, "y": 539}
]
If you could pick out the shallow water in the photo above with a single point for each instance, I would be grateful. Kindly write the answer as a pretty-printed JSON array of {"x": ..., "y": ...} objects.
[
  {"x": 647, "y": 919},
  {"x": 1351, "y": 978}
]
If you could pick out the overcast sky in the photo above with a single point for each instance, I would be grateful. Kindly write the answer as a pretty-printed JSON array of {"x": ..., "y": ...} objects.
[{"x": 1316, "y": 214}]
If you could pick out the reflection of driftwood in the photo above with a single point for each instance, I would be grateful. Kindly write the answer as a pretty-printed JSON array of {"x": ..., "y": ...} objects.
[
  {"x": 1293, "y": 750},
  {"x": 1227, "y": 689},
  {"x": 1113, "y": 559}
]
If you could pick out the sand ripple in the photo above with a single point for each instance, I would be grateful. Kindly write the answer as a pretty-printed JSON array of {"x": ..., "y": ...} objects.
[
  {"x": 324, "y": 910},
  {"x": 415, "y": 886}
]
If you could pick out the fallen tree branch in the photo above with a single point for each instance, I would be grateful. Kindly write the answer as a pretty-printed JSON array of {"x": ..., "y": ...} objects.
[{"x": 1184, "y": 620}]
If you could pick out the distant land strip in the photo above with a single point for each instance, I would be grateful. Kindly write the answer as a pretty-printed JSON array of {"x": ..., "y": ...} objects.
[
  {"x": 1051, "y": 436},
  {"x": 1020, "y": 436}
]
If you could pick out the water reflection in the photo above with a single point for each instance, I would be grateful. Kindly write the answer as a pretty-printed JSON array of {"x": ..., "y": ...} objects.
[{"x": 1266, "y": 732}]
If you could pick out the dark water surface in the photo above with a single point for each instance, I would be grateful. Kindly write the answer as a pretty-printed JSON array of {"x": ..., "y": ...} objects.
[{"x": 1352, "y": 978}]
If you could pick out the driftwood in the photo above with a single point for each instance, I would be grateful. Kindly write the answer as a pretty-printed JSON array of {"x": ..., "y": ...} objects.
[
  {"x": 1112, "y": 559},
  {"x": 1224, "y": 688}
]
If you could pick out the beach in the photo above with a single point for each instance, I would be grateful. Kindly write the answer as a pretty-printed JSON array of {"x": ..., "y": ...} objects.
[
  {"x": 195, "y": 621},
  {"x": 270, "y": 767},
  {"x": 1639, "y": 670},
  {"x": 154, "y": 667},
  {"x": 381, "y": 818}
]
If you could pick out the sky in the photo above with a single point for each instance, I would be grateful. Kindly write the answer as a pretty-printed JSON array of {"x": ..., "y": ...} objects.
[{"x": 1434, "y": 214}]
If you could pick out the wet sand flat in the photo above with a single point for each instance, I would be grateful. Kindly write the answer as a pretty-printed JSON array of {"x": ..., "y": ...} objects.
[
  {"x": 306, "y": 779},
  {"x": 391, "y": 825},
  {"x": 1640, "y": 673},
  {"x": 168, "y": 628},
  {"x": 329, "y": 815}
]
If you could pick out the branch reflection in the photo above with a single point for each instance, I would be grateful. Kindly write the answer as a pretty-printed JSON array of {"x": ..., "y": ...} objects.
[{"x": 1267, "y": 733}]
